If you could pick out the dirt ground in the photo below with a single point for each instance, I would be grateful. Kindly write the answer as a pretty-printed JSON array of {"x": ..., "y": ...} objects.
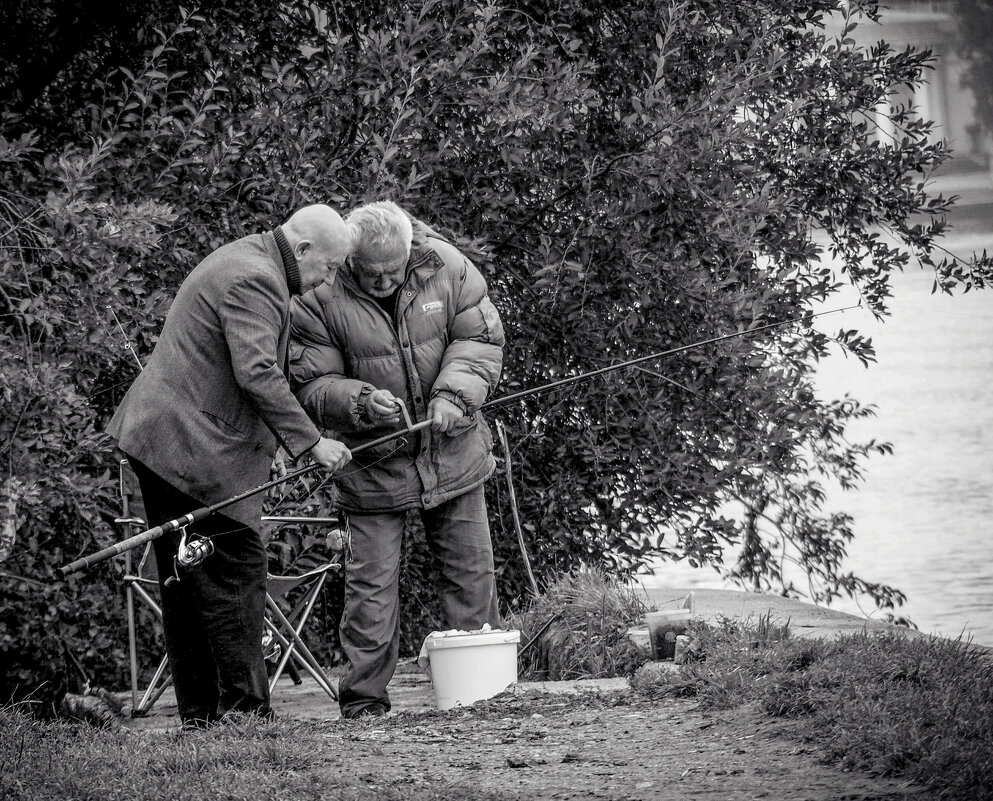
[
  {"x": 581, "y": 740},
  {"x": 587, "y": 739},
  {"x": 602, "y": 745}
]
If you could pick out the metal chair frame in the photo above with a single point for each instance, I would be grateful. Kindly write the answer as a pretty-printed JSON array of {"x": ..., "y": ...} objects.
[{"x": 285, "y": 627}]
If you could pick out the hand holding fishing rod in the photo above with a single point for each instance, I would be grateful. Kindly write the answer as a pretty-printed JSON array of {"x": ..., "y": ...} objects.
[
  {"x": 205, "y": 511},
  {"x": 383, "y": 407},
  {"x": 330, "y": 454}
]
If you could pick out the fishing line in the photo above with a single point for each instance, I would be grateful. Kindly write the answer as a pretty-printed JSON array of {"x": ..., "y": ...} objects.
[
  {"x": 655, "y": 356},
  {"x": 128, "y": 344},
  {"x": 203, "y": 512}
]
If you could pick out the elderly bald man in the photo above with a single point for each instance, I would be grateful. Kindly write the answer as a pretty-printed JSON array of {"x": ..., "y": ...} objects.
[{"x": 201, "y": 424}]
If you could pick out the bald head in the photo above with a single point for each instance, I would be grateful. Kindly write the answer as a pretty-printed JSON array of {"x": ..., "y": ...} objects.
[{"x": 320, "y": 242}]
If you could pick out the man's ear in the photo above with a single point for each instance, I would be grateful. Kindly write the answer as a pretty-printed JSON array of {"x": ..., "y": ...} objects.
[{"x": 302, "y": 247}]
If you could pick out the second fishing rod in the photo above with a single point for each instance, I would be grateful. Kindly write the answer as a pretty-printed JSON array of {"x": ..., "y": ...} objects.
[{"x": 411, "y": 427}]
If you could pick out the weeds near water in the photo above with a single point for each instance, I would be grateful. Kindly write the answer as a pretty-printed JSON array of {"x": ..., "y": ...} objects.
[
  {"x": 919, "y": 708},
  {"x": 578, "y": 630}
]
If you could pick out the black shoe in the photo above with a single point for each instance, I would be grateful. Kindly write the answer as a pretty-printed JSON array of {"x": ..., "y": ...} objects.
[{"x": 373, "y": 710}]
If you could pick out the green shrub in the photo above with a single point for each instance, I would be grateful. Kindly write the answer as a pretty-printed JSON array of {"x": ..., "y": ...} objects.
[
  {"x": 629, "y": 176},
  {"x": 577, "y": 629}
]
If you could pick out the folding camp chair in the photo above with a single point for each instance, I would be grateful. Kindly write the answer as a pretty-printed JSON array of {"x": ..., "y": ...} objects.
[
  {"x": 284, "y": 627},
  {"x": 140, "y": 581}
]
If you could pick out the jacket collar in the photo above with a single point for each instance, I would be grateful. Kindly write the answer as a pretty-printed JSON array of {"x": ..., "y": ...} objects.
[{"x": 290, "y": 266}]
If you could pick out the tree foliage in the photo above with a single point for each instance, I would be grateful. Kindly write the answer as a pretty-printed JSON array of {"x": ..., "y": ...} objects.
[{"x": 629, "y": 176}]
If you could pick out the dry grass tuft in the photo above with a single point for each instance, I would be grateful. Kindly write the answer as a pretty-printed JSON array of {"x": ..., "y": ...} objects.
[
  {"x": 919, "y": 708},
  {"x": 578, "y": 630}
]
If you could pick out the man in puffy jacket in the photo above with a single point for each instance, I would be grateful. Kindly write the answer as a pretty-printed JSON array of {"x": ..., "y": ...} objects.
[{"x": 407, "y": 320}]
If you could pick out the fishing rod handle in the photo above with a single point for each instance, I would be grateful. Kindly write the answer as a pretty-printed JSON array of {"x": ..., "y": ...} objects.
[
  {"x": 201, "y": 513},
  {"x": 131, "y": 542}
]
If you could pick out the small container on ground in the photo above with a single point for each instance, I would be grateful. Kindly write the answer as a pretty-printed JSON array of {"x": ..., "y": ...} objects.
[
  {"x": 663, "y": 628},
  {"x": 471, "y": 666}
]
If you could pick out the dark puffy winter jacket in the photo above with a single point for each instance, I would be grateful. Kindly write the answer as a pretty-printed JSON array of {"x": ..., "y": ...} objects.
[{"x": 446, "y": 339}]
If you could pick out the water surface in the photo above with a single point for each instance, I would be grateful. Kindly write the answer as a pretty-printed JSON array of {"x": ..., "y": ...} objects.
[{"x": 924, "y": 518}]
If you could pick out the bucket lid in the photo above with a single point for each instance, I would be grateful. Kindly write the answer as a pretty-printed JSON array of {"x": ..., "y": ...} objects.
[
  {"x": 472, "y": 638},
  {"x": 665, "y": 614}
]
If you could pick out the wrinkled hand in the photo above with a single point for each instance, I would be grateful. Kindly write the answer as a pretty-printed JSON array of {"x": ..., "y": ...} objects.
[
  {"x": 382, "y": 407},
  {"x": 278, "y": 468},
  {"x": 443, "y": 414},
  {"x": 331, "y": 453}
]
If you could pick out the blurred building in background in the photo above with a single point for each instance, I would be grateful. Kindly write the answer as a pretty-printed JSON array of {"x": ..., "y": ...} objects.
[{"x": 946, "y": 98}]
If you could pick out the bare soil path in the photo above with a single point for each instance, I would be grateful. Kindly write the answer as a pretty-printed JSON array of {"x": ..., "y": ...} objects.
[
  {"x": 569, "y": 740},
  {"x": 583, "y": 740},
  {"x": 594, "y": 745}
]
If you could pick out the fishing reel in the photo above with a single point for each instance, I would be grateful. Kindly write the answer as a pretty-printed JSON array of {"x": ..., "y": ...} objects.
[
  {"x": 192, "y": 552},
  {"x": 189, "y": 553}
]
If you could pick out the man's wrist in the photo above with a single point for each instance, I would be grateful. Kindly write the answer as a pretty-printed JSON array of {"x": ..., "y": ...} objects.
[{"x": 452, "y": 398}]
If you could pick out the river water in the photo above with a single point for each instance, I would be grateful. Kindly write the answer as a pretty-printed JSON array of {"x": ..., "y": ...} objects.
[{"x": 924, "y": 517}]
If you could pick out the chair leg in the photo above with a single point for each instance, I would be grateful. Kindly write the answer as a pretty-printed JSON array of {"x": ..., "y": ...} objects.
[
  {"x": 154, "y": 691},
  {"x": 132, "y": 578},
  {"x": 284, "y": 659},
  {"x": 148, "y": 599},
  {"x": 158, "y": 684},
  {"x": 296, "y": 648},
  {"x": 132, "y": 637},
  {"x": 297, "y": 618},
  {"x": 305, "y": 657}
]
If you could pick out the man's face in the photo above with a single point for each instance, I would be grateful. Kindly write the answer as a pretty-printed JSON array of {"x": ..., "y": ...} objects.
[
  {"x": 319, "y": 260},
  {"x": 380, "y": 273}
]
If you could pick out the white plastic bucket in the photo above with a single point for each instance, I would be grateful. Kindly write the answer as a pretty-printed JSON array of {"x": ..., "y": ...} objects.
[{"x": 472, "y": 666}]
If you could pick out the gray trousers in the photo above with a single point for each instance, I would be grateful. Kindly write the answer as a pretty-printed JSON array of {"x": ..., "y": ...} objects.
[{"x": 458, "y": 535}]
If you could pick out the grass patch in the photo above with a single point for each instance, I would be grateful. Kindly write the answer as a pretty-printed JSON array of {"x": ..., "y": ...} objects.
[
  {"x": 919, "y": 708},
  {"x": 282, "y": 761},
  {"x": 58, "y": 760},
  {"x": 578, "y": 630}
]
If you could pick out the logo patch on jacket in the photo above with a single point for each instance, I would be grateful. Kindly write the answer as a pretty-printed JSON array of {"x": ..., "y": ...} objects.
[{"x": 434, "y": 307}]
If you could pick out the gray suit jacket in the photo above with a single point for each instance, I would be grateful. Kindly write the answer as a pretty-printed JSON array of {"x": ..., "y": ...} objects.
[{"x": 210, "y": 405}]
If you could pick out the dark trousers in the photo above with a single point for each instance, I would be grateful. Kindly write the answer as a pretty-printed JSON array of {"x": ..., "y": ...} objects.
[
  {"x": 458, "y": 535},
  {"x": 212, "y": 616}
]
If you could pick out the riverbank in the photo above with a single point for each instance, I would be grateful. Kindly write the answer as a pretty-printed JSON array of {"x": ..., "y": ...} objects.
[
  {"x": 412, "y": 693},
  {"x": 841, "y": 708}
]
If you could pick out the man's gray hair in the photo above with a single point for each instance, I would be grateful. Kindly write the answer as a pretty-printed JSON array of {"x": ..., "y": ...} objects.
[{"x": 378, "y": 226}]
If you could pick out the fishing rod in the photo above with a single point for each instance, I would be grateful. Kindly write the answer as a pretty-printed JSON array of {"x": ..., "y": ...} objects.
[
  {"x": 203, "y": 512},
  {"x": 206, "y": 511},
  {"x": 128, "y": 344},
  {"x": 654, "y": 356}
]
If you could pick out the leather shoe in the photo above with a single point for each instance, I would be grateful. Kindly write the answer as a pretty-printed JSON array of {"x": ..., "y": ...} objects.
[{"x": 373, "y": 710}]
